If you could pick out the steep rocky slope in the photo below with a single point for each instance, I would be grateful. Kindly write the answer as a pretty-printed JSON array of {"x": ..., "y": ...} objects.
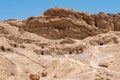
[
  {"x": 57, "y": 23},
  {"x": 61, "y": 44}
]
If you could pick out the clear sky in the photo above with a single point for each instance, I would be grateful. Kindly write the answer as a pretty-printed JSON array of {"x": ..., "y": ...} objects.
[{"x": 21, "y": 9}]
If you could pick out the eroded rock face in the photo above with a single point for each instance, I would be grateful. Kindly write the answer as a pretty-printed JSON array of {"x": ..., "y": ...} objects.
[
  {"x": 104, "y": 22},
  {"x": 117, "y": 22},
  {"x": 58, "y": 23}
]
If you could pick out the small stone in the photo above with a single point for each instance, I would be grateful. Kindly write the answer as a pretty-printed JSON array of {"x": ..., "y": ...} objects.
[
  {"x": 44, "y": 74},
  {"x": 34, "y": 77}
]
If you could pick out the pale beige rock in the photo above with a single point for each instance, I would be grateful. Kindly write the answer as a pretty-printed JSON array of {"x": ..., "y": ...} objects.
[{"x": 61, "y": 44}]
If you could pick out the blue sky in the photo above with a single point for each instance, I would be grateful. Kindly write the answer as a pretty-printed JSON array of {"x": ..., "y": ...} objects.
[{"x": 21, "y": 9}]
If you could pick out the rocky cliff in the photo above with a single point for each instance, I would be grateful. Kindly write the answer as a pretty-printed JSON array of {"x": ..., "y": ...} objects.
[{"x": 57, "y": 23}]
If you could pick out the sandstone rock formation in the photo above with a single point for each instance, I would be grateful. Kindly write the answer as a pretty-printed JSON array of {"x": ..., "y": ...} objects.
[
  {"x": 61, "y": 44},
  {"x": 57, "y": 23}
]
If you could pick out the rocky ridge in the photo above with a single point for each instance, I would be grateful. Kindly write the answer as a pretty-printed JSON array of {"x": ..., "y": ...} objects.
[{"x": 57, "y": 23}]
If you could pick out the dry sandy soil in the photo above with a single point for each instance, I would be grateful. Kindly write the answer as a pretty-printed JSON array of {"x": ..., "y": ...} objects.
[{"x": 61, "y": 44}]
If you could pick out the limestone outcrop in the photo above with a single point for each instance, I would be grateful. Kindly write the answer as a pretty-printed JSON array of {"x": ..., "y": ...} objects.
[{"x": 58, "y": 23}]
